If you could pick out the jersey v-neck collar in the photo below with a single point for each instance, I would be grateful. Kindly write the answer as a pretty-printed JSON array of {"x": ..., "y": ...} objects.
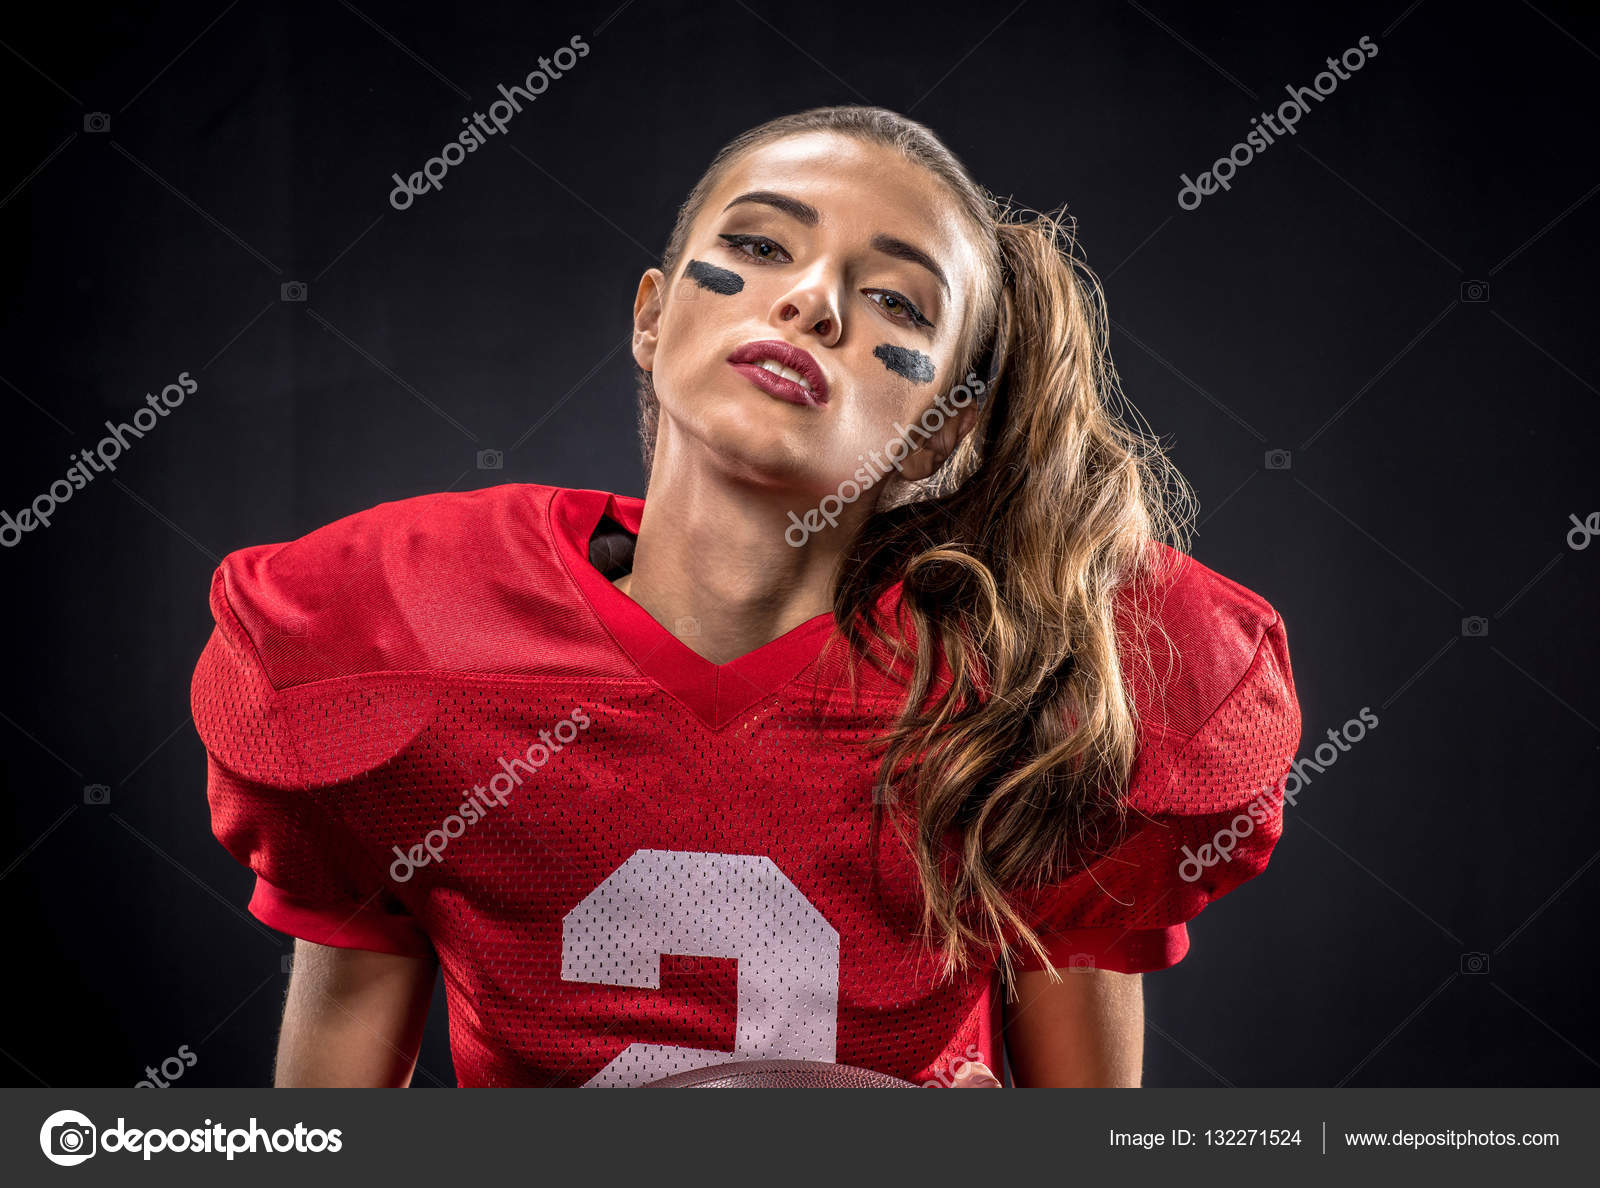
[{"x": 715, "y": 693}]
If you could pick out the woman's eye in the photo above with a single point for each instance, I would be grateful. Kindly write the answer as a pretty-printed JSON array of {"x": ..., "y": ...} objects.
[
  {"x": 766, "y": 250},
  {"x": 899, "y": 308}
]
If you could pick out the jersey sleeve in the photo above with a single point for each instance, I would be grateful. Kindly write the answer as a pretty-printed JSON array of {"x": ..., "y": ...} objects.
[
  {"x": 1205, "y": 811},
  {"x": 272, "y": 790}
]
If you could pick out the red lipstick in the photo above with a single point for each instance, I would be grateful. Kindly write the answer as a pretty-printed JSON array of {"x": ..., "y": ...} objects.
[{"x": 747, "y": 359}]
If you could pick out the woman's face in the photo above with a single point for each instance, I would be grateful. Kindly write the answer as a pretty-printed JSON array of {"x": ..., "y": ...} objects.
[{"x": 842, "y": 250}]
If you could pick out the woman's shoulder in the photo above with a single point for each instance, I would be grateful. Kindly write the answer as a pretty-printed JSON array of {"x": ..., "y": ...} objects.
[
  {"x": 1207, "y": 660},
  {"x": 375, "y": 589},
  {"x": 433, "y": 521},
  {"x": 1196, "y": 611}
]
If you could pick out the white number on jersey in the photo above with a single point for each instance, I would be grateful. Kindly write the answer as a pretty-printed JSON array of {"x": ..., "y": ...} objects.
[{"x": 669, "y": 902}]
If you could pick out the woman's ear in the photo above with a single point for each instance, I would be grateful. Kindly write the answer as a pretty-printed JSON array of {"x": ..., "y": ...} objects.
[{"x": 647, "y": 317}]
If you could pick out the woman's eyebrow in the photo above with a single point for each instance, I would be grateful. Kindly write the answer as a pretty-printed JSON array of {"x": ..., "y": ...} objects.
[
  {"x": 802, "y": 212},
  {"x": 805, "y": 213},
  {"x": 901, "y": 250}
]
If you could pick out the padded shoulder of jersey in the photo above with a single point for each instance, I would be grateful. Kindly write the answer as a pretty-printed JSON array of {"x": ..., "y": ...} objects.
[
  {"x": 459, "y": 582},
  {"x": 1208, "y": 663},
  {"x": 321, "y": 662}
]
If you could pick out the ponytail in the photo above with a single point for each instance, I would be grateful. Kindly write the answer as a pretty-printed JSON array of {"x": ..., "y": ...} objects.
[{"x": 1012, "y": 556}]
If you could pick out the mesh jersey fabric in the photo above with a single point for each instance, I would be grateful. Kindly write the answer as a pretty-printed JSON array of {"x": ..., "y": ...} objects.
[{"x": 434, "y": 727}]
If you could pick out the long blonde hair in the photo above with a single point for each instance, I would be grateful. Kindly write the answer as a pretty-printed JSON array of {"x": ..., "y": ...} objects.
[{"x": 1011, "y": 555}]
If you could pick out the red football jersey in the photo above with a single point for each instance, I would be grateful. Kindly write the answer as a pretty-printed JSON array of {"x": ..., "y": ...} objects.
[{"x": 436, "y": 726}]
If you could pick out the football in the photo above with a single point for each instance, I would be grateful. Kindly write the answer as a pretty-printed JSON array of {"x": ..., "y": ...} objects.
[{"x": 780, "y": 1074}]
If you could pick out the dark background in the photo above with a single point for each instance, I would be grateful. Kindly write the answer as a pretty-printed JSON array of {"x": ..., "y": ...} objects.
[{"x": 1438, "y": 446}]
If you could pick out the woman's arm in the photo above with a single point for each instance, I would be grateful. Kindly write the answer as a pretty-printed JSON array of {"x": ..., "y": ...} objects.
[
  {"x": 1085, "y": 1031},
  {"x": 354, "y": 1018}
]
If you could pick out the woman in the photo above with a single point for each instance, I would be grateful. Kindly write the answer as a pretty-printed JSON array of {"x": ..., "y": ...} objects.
[{"x": 887, "y": 710}]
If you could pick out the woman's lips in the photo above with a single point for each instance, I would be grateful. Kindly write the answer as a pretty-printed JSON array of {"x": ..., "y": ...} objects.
[
  {"x": 776, "y": 385},
  {"x": 806, "y": 377}
]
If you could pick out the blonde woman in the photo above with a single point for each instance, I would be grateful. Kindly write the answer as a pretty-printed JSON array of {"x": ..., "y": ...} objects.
[{"x": 891, "y": 728}]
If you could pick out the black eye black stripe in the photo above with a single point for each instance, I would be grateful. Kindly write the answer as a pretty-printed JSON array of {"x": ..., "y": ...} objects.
[
  {"x": 914, "y": 365},
  {"x": 718, "y": 280}
]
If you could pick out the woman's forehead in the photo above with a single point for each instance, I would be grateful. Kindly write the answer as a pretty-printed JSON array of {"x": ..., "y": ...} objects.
[{"x": 866, "y": 187}]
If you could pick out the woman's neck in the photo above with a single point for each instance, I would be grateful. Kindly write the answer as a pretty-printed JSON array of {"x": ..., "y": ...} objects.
[{"x": 714, "y": 566}]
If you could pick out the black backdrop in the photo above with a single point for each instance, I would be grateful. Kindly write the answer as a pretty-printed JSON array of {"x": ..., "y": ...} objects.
[{"x": 1424, "y": 920}]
